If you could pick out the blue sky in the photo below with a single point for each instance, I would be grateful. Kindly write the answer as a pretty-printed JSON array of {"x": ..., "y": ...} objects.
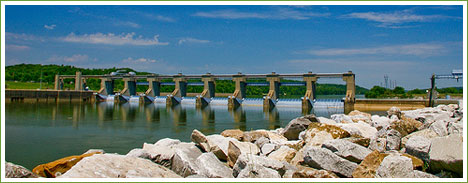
[{"x": 407, "y": 43}]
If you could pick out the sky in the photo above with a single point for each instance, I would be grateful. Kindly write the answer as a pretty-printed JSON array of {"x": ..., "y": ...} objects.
[{"x": 406, "y": 43}]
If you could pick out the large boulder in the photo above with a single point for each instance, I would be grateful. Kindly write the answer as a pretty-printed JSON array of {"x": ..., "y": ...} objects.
[
  {"x": 359, "y": 129},
  {"x": 426, "y": 133},
  {"x": 183, "y": 161},
  {"x": 359, "y": 116},
  {"x": 60, "y": 166},
  {"x": 219, "y": 145},
  {"x": 117, "y": 166},
  {"x": 347, "y": 150},
  {"x": 257, "y": 171},
  {"x": 379, "y": 122},
  {"x": 379, "y": 144},
  {"x": 405, "y": 125},
  {"x": 167, "y": 142},
  {"x": 394, "y": 111},
  {"x": 200, "y": 139},
  {"x": 284, "y": 153},
  {"x": 395, "y": 166},
  {"x": 233, "y": 133},
  {"x": 440, "y": 127},
  {"x": 317, "y": 133},
  {"x": 368, "y": 167},
  {"x": 248, "y": 160},
  {"x": 253, "y": 136},
  {"x": 359, "y": 140},
  {"x": 268, "y": 148},
  {"x": 139, "y": 153},
  {"x": 322, "y": 158},
  {"x": 307, "y": 172},
  {"x": 210, "y": 166},
  {"x": 446, "y": 153},
  {"x": 418, "y": 146},
  {"x": 341, "y": 118},
  {"x": 393, "y": 139},
  {"x": 162, "y": 153},
  {"x": 17, "y": 171},
  {"x": 296, "y": 126},
  {"x": 236, "y": 148}
]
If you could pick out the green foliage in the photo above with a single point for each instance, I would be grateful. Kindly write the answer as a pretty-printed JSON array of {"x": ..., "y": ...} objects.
[{"x": 381, "y": 92}]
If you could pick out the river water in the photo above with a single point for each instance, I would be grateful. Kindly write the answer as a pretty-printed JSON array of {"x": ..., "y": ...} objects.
[{"x": 37, "y": 133}]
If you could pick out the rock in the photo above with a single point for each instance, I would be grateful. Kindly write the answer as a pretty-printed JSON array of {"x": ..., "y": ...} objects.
[
  {"x": 379, "y": 122},
  {"x": 117, "y": 166},
  {"x": 421, "y": 174},
  {"x": 369, "y": 166},
  {"x": 394, "y": 111},
  {"x": 359, "y": 116},
  {"x": 295, "y": 144},
  {"x": 60, "y": 166},
  {"x": 455, "y": 128},
  {"x": 257, "y": 171},
  {"x": 347, "y": 150},
  {"x": 252, "y": 136},
  {"x": 296, "y": 126},
  {"x": 195, "y": 176},
  {"x": 440, "y": 128},
  {"x": 417, "y": 163},
  {"x": 95, "y": 151},
  {"x": 200, "y": 139},
  {"x": 405, "y": 125},
  {"x": 426, "y": 133},
  {"x": 326, "y": 121},
  {"x": 359, "y": 140},
  {"x": 317, "y": 133},
  {"x": 261, "y": 141},
  {"x": 233, "y": 133},
  {"x": 139, "y": 153},
  {"x": 393, "y": 140},
  {"x": 395, "y": 166},
  {"x": 165, "y": 142},
  {"x": 248, "y": 159},
  {"x": 341, "y": 118},
  {"x": 318, "y": 138},
  {"x": 163, "y": 154},
  {"x": 321, "y": 158},
  {"x": 17, "y": 171},
  {"x": 299, "y": 157},
  {"x": 219, "y": 145},
  {"x": 211, "y": 167},
  {"x": 359, "y": 129},
  {"x": 307, "y": 172},
  {"x": 311, "y": 117},
  {"x": 378, "y": 144},
  {"x": 183, "y": 161},
  {"x": 236, "y": 148},
  {"x": 268, "y": 148},
  {"x": 446, "y": 153},
  {"x": 276, "y": 138},
  {"x": 284, "y": 153},
  {"x": 418, "y": 146}
]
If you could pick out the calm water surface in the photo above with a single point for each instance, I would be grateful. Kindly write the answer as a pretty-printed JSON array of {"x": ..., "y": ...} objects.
[{"x": 38, "y": 133}]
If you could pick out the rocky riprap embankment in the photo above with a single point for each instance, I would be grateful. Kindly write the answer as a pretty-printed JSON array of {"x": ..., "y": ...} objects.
[{"x": 423, "y": 143}]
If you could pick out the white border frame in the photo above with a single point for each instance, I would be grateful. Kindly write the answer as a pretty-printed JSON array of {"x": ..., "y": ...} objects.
[{"x": 464, "y": 3}]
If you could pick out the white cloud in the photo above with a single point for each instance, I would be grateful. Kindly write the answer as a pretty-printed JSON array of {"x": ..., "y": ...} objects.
[
  {"x": 73, "y": 58},
  {"x": 153, "y": 16},
  {"x": 13, "y": 47},
  {"x": 112, "y": 39},
  {"x": 280, "y": 13},
  {"x": 127, "y": 24},
  {"x": 50, "y": 27},
  {"x": 193, "y": 40},
  {"x": 138, "y": 60},
  {"x": 22, "y": 37},
  {"x": 163, "y": 18},
  {"x": 421, "y": 49},
  {"x": 394, "y": 19}
]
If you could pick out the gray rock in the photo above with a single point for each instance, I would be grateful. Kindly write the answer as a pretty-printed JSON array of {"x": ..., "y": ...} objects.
[
  {"x": 347, "y": 150},
  {"x": 341, "y": 118},
  {"x": 200, "y": 139},
  {"x": 455, "y": 128},
  {"x": 117, "y": 166},
  {"x": 163, "y": 154},
  {"x": 446, "y": 153},
  {"x": 94, "y": 151},
  {"x": 326, "y": 121},
  {"x": 379, "y": 122},
  {"x": 268, "y": 148},
  {"x": 418, "y": 146},
  {"x": 421, "y": 174},
  {"x": 378, "y": 144},
  {"x": 219, "y": 145},
  {"x": 394, "y": 111},
  {"x": 236, "y": 148},
  {"x": 283, "y": 154},
  {"x": 167, "y": 142},
  {"x": 195, "y": 176},
  {"x": 393, "y": 140},
  {"x": 395, "y": 166},
  {"x": 248, "y": 159},
  {"x": 17, "y": 171},
  {"x": 426, "y": 133},
  {"x": 258, "y": 171},
  {"x": 296, "y": 126},
  {"x": 183, "y": 162},
  {"x": 440, "y": 127},
  {"x": 360, "y": 129},
  {"x": 139, "y": 153},
  {"x": 210, "y": 166},
  {"x": 261, "y": 141},
  {"x": 322, "y": 158}
]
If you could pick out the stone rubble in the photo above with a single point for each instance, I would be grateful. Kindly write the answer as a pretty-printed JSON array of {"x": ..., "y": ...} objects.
[{"x": 421, "y": 143}]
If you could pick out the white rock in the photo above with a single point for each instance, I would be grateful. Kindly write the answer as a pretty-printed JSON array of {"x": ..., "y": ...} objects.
[
  {"x": 347, "y": 150},
  {"x": 258, "y": 171},
  {"x": 395, "y": 166},
  {"x": 418, "y": 146},
  {"x": 440, "y": 127},
  {"x": 248, "y": 159},
  {"x": 268, "y": 148},
  {"x": 446, "y": 153},
  {"x": 183, "y": 161},
  {"x": 210, "y": 166},
  {"x": 284, "y": 153},
  {"x": 363, "y": 129},
  {"x": 322, "y": 158}
]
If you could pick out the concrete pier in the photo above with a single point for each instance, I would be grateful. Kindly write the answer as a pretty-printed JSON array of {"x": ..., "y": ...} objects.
[
  {"x": 208, "y": 91},
  {"x": 78, "y": 81},
  {"x": 154, "y": 90},
  {"x": 310, "y": 80},
  {"x": 269, "y": 101},
  {"x": 235, "y": 100},
  {"x": 180, "y": 90},
  {"x": 350, "y": 98}
]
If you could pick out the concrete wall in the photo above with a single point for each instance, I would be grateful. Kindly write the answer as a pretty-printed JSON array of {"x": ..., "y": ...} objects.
[{"x": 47, "y": 95}]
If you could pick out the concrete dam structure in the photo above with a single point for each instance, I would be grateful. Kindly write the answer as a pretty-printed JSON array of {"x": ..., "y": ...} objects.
[{"x": 208, "y": 81}]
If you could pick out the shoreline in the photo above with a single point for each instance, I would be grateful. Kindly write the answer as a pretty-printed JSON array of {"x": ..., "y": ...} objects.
[{"x": 401, "y": 144}]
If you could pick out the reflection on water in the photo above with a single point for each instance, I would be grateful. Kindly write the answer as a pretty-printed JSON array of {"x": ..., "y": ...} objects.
[{"x": 42, "y": 132}]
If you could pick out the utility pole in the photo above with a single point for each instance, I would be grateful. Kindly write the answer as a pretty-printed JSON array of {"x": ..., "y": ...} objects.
[{"x": 386, "y": 81}]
